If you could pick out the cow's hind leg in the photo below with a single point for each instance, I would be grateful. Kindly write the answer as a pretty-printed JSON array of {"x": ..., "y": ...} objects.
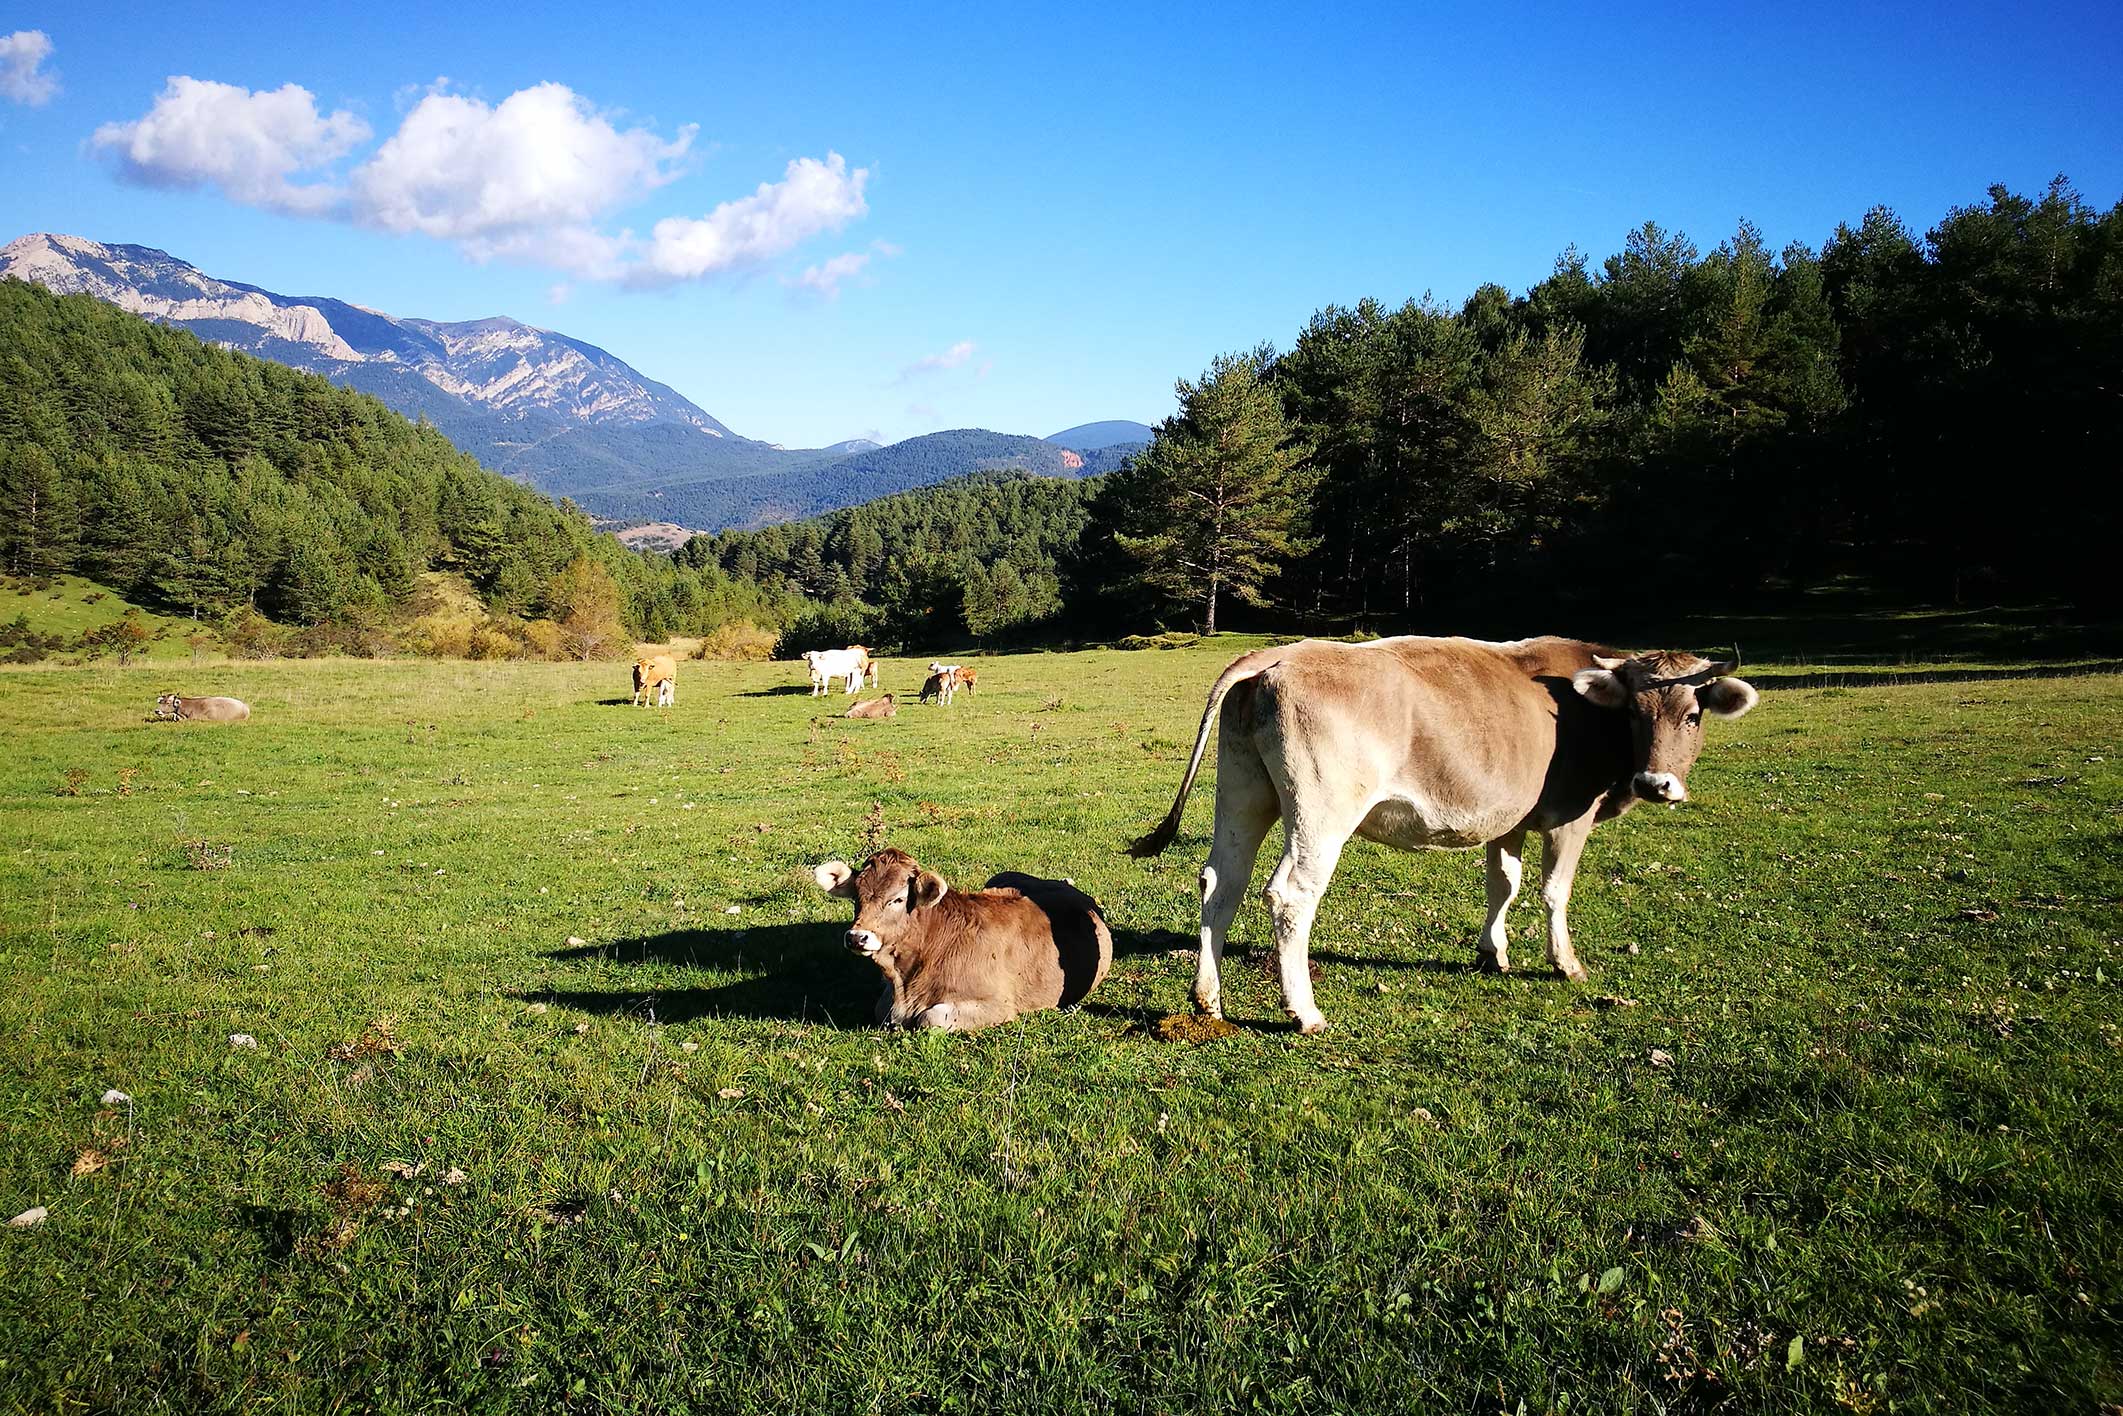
[
  {"x": 1506, "y": 864},
  {"x": 1246, "y": 806},
  {"x": 1559, "y": 867},
  {"x": 1310, "y": 852}
]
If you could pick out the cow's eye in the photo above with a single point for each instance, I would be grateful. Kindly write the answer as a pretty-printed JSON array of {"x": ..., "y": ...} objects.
[{"x": 1695, "y": 719}]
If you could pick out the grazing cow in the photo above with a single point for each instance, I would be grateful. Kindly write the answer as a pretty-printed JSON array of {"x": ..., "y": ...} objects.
[
  {"x": 176, "y": 708},
  {"x": 875, "y": 708},
  {"x": 956, "y": 961},
  {"x": 1434, "y": 744},
  {"x": 965, "y": 675},
  {"x": 830, "y": 664},
  {"x": 658, "y": 674},
  {"x": 942, "y": 683}
]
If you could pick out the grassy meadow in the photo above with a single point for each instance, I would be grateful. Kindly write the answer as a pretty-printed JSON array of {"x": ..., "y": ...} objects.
[{"x": 562, "y": 1093}]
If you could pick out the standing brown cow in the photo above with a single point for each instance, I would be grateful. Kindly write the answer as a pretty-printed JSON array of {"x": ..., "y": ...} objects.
[
  {"x": 956, "y": 961},
  {"x": 1434, "y": 744},
  {"x": 658, "y": 674}
]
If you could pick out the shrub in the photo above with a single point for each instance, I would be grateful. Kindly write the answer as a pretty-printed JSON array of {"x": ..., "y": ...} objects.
[
  {"x": 250, "y": 635},
  {"x": 737, "y": 639}
]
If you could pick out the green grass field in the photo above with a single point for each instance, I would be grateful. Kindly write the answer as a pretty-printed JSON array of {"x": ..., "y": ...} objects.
[{"x": 472, "y": 1164}]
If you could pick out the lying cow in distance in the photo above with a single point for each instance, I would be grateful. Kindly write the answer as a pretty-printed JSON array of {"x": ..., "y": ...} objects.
[
  {"x": 1437, "y": 744},
  {"x": 176, "y": 708},
  {"x": 956, "y": 961},
  {"x": 875, "y": 708},
  {"x": 656, "y": 674}
]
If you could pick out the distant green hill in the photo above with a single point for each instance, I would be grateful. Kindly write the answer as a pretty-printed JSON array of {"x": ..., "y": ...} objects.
[{"x": 847, "y": 481}]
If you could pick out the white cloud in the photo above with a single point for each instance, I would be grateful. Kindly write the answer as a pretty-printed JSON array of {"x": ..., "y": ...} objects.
[
  {"x": 558, "y": 292},
  {"x": 532, "y": 180},
  {"x": 824, "y": 280},
  {"x": 813, "y": 197},
  {"x": 249, "y": 145},
  {"x": 888, "y": 249},
  {"x": 523, "y": 179},
  {"x": 23, "y": 77},
  {"x": 951, "y": 358}
]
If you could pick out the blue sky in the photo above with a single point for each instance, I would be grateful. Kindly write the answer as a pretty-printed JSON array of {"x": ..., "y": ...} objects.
[{"x": 1042, "y": 218}]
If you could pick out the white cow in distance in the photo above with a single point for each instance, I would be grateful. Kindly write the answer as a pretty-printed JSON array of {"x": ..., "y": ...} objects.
[{"x": 826, "y": 665}]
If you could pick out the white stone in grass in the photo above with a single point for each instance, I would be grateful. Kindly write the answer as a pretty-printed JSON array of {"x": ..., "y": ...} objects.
[
  {"x": 576, "y": 941},
  {"x": 735, "y": 909},
  {"x": 114, "y": 1097},
  {"x": 242, "y": 1041},
  {"x": 1660, "y": 1058},
  {"x": 29, "y": 1218}
]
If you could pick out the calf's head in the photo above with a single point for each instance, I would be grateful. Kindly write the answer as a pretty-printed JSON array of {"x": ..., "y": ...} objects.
[
  {"x": 1666, "y": 696},
  {"x": 890, "y": 892}
]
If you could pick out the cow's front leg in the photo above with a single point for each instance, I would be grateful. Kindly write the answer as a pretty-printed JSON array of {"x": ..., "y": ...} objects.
[
  {"x": 1506, "y": 865},
  {"x": 1559, "y": 867}
]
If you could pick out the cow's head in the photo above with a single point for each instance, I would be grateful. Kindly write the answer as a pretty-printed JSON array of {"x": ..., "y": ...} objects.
[
  {"x": 890, "y": 892},
  {"x": 166, "y": 704},
  {"x": 1665, "y": 696}
]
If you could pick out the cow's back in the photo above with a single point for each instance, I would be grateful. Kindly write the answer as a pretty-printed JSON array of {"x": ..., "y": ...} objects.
[
  {"x": 1082, "y": 944},
  {"x": 1465, "y": 730}
]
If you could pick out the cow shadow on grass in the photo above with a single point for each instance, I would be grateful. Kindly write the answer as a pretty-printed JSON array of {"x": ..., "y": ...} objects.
[
  {"x": 784, "y": 690},
  {"x": 1139, "y": 942},
  {"x": 792, "y": 973}
]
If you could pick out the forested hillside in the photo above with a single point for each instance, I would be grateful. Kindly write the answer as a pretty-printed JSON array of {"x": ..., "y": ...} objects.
[
  {"x": 206, "y": 481},
  {"x": 981, "y": 556},
  {"x": 1937, "y": 416}
]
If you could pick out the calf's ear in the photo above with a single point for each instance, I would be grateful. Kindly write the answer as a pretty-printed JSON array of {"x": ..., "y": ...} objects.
[
  {"x": 835, "y": 878},
  {"x": 929, "y": 887},
  {"x": 1600, "y": 686},
  {"x": 1727, "y": 697}
]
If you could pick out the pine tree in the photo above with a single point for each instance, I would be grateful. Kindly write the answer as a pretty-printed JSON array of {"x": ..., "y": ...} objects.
[{"x": 1216, "y": 502}]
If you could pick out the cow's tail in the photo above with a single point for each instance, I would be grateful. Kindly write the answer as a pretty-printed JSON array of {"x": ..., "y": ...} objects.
[{"x": 1242, "y": 668}]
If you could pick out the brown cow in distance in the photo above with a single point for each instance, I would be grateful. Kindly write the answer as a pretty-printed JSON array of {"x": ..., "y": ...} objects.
[
  {"x": 657, "y": 674},
  {"x": 958, "y": 961},
  {"x": 875, "y": 708},
  {"x": 1433, "y": 744}
]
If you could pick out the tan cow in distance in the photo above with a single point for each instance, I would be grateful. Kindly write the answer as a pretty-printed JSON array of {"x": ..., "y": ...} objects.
[
  {"x": 957, "y": 961},
  {"x": 875, "y": 708},
  {"x": 657, "y": 674},
  {"x": 176, "y": 708},
  {"x": 1433, "y": 744}
]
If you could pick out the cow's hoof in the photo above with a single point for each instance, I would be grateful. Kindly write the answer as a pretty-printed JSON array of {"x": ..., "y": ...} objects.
[
  {"x": 1575, "y": 975},
  {"x": 1490, "y": 963}
]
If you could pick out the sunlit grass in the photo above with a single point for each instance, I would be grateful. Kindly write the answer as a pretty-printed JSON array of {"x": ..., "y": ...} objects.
[{"x": 1880, "y": 948}]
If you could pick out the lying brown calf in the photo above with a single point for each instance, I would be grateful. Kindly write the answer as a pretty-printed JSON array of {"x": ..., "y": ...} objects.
[
  {"x": 876, "y": 708},
  {"x": 956, "y": 961},
  {"x": 176, "y": 708}
]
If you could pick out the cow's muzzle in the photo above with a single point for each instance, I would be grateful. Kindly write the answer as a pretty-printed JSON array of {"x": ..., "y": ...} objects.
[
  {"x": 862, "y": 941},
  {"x": 1660, "y": 786}
]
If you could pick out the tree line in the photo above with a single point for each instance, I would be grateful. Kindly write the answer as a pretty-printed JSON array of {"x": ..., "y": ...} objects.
[{"x": 1939, "y": 416}]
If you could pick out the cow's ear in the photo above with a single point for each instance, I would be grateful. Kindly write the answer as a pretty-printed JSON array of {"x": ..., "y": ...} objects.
[
  {"x": 835, "y": 878},
  {"x": 1608, "y": 661},
  {"x": 1727, "y": 697},
  {"x": 929, "y": 887},
  {"x": 1601, "y": 686}
]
